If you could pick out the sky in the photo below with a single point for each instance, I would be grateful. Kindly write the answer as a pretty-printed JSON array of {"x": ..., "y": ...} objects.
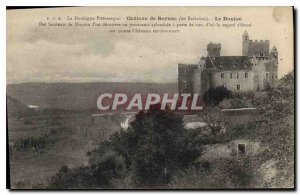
[{"x": 92, "y": 54}]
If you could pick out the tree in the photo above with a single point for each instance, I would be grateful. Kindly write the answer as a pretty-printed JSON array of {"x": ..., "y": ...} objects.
[
  {"x": 159, "y": 146},
  {"x": 214, "y": 119},
  {"x": 214, "y": 96},
  {"x": 280, "y": 100},
  {"x": 150, "y": 152}
]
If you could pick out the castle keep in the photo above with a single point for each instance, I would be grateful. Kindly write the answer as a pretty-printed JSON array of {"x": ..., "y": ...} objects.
[{"x": 256, "y": 70}]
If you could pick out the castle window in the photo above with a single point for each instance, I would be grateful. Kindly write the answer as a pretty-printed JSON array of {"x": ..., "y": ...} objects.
[
  {"x": 261, "y": 54},
  {"x": 246, "y": 75},
  {"x": 272, "y": 77},
  {"x": 267, "y": 75},
  {"x": 237, "y": 75},
  {"x": 231, "y": 75},
  {"x": 234, "y": 63},
  {"x": 184, "y": 85},
  {"x": 221, "y": 64},
  {"x": 245, "y": 64},
  {"x": 238, "y": 87},
  {"x": 222, "y": 75}
]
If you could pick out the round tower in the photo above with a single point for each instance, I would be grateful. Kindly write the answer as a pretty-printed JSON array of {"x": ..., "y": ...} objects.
[
  {"x": 274, "y": 53},
  {"x": 274, "y": 73},
  {"x": 245, "y": 44}
]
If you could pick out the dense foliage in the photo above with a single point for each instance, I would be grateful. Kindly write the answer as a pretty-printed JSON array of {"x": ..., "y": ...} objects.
[
  {"x": 214, "y": 96},
  {"x": 160, "y": 146},
  {"x": 154, "y": 148}
]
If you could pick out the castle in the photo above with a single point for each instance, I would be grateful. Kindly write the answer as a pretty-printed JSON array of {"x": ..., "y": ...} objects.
[{"x": 256, "y": 70}]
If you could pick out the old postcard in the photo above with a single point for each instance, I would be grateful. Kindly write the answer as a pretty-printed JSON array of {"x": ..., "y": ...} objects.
[{"x": 150, "y": 98}]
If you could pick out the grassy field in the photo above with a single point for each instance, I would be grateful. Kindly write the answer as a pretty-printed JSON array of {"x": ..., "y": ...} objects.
[{"x": 67, "y": 140}]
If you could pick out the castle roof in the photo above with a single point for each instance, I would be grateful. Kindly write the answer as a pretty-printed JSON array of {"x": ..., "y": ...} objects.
[
  {"x": 229, "y": 63},
  {"x": 274, "y": 49},
  {"x": 245, "y": 34}
]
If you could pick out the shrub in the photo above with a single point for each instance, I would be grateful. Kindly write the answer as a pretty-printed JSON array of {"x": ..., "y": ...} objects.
[
  {"x": 79, "y": 178},
  {"x": 31, "y": 142},
  {"x": 35, "y": 143},
  {"x": 111, "y": 165},
  {"x": 214, "y": 96},
  {"x": 98, "y": 175},
  {"x": 240, "y": 172}
]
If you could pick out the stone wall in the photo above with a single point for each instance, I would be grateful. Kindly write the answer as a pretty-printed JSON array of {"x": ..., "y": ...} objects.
[
  {"x": 246, "y": 84},
  {"x": 266, "y": 74},
  {"x": 259, "y": 47},
  {"x": 186, "y": 77}
]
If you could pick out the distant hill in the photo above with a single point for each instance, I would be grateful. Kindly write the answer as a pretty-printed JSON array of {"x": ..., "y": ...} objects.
[
  {"x": 16, "y": 108},
  {"x": 78, "y": 96}
]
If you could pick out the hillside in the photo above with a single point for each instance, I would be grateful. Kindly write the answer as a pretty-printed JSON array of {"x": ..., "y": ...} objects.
[
  {"x": 78, "y": 96},
  {"x": 16, "y": 108}
]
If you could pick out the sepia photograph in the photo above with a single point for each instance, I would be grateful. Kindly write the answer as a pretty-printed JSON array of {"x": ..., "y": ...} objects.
[{"x": 150, "y": 98}]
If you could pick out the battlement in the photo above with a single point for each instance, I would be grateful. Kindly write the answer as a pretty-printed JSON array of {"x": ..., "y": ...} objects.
[
  {"x": 214, "y": 45},
  {"x": 260, "y": 41},
  {"x": 257, "y": 47},
  {"x": 180, "y": 65}
]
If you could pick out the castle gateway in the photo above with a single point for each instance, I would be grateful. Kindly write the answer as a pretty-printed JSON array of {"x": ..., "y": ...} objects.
[{"x": 256, "y": 70}]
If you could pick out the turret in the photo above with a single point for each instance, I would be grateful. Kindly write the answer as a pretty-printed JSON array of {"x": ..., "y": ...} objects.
[
  {"x": 245, "y": 44},
  {"x": 214, "y": 49},
  {"x": 274, "y": 53}
]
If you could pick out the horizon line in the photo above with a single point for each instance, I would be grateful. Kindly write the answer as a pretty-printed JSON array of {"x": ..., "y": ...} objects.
[{"x": 59, "y": 82}]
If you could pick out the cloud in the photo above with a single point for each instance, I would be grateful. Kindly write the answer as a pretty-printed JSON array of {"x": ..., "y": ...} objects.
[
  {"x": 55, "y": 62},
  {"x": 66, "y": 54}
]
